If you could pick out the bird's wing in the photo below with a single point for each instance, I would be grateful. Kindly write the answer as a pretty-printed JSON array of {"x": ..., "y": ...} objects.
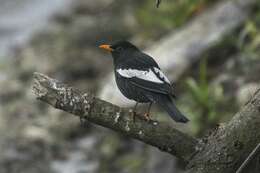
[
  {"x": 143, "y": 71},
  {"x": 151, "y": 79}
]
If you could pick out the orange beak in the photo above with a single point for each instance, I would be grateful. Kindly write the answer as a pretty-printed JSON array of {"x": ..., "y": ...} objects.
[{"x": 107, "y": 47}]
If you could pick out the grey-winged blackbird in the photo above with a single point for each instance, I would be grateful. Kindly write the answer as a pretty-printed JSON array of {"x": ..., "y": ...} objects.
[{"x": 140, "y": 78}]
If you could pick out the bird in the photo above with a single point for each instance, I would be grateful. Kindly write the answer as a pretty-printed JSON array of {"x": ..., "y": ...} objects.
[{"x": 140, "y": 78}]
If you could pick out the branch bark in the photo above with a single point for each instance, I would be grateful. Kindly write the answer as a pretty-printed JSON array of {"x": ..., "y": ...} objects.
[
  {"x": 85, "y": 105},
  {"x": 222, "y": 151},
  {"x": 227, "y": 148}
]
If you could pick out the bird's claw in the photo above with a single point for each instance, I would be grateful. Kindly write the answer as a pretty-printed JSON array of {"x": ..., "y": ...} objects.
[
  {"x": 147, "y": 117},
  {"x": 134, "y": 114}
]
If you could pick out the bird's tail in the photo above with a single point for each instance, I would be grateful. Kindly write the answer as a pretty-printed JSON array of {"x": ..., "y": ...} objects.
[{"x": 167, "y": 104}]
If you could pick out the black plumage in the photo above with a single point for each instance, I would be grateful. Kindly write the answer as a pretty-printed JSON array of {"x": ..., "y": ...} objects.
[{"x": 139, "y": 78}]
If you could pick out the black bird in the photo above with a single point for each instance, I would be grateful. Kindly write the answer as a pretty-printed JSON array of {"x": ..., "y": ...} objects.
[{"x": 140, "y": 78}]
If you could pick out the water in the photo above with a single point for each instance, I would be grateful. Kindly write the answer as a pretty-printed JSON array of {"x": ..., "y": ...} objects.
[{"x": 20, "y": 19}]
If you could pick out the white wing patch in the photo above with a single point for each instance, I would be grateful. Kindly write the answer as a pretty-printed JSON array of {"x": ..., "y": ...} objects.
[
  {"x": 148, "y": 75},
  {"x": 161, "y": 75}
]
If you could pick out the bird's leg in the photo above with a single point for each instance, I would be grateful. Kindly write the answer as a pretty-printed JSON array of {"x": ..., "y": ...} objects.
[
  {"x": 83, "y": 121},
  {"x": 134, "y": 111},
  {"x": 147, "y": 114}
]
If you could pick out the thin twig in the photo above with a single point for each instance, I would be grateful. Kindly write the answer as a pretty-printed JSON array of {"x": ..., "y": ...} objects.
[{"x": 249, "y": 158}]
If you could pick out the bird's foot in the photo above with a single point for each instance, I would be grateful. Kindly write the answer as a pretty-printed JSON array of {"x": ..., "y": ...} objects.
[{"x": 147, "y": 117}]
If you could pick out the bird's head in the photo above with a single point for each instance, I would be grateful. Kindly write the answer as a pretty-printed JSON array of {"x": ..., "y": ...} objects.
[{"x": 120, "y": 49}]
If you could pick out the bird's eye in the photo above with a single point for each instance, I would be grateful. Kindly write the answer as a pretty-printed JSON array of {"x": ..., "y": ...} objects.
[{"x": 119, "y": 48}]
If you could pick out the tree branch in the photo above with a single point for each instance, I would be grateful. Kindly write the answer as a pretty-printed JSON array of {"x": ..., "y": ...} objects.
[
  {"x": 251, "y": 156},
  {"x": 227, "y": 148},
  {"x": 158, "y": 134}
]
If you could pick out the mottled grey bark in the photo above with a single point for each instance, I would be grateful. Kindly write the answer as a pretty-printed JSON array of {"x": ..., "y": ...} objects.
[
  {"x": 222, "y": 151},
  {"x": 227, "y": 148}
]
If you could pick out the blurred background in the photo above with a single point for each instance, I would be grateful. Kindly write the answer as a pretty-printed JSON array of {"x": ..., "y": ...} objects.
[{"x": 210, "y": 48}]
